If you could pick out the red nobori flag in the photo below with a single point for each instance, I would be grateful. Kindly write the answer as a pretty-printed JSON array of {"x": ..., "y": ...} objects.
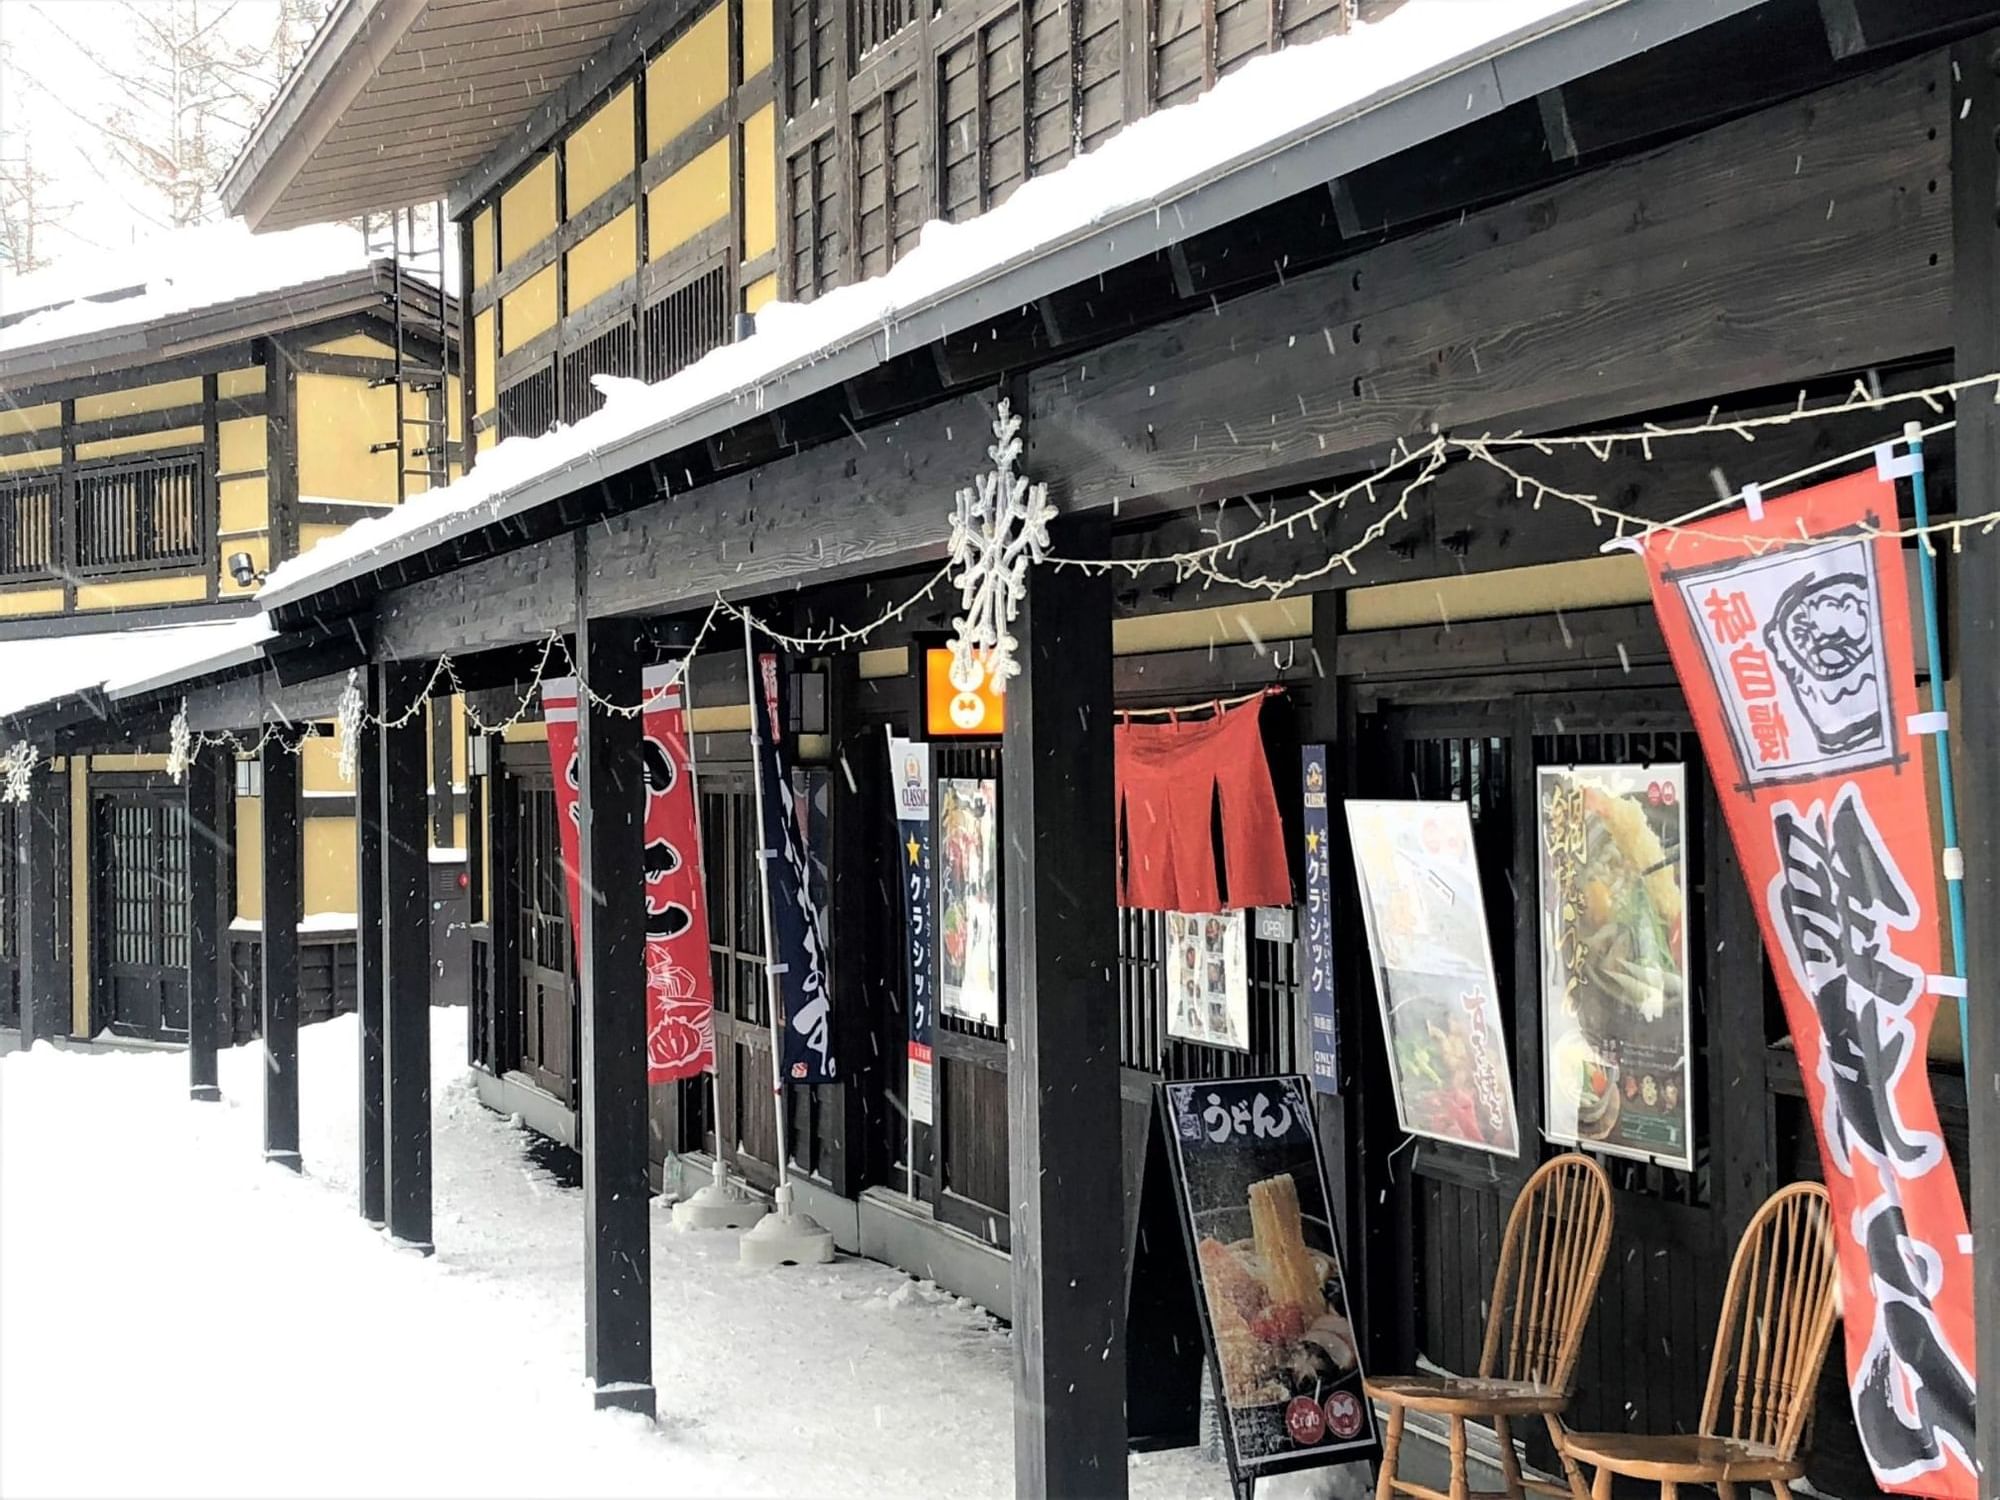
[
  {"x": 680, "y": 1013},
  {"x": 1791, "y": 637}
]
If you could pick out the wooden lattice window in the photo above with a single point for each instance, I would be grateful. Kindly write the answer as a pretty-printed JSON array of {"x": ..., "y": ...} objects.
[
  {"x": 528, "y": 406},
  {"x": 612, "y": 352},
  {"x": 816, "y": 247},
  {"x": 140, "y": 512},
  {"x": 686, "y": 323},
  {"x": 980, "y": 101},
  {"x": 28, "y": 508},
  {"x": 873, "y": 22},
  {"x": 889, "y": 175}
]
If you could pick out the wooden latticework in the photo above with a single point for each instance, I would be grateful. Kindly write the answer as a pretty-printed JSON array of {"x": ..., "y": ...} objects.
[
  {"x": 1550, "y": 1261},
  {"x": 1777, "y": 1320}
]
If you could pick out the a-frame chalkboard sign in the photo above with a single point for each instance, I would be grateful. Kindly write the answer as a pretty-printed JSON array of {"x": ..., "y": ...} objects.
[{"x": 1236, "y": 1162}]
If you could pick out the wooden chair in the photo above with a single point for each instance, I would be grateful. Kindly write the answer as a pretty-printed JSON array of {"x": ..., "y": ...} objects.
[
  {"x": 1550, "y": 1260},
  {"x": 1777, "y": 1320}
]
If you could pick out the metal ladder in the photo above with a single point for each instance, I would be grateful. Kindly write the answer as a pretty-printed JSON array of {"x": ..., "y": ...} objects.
[{"x": 419, "y": 312}]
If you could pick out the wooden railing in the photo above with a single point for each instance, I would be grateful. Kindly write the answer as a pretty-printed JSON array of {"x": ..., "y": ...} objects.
[{"x": 126, "y": 515}]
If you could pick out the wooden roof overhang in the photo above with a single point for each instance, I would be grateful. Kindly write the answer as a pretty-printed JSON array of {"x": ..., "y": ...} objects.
[
  {"x": 796, "y": 407},
  {"x": 396, "y": 101},
  {"x": 179, "y": 335}
]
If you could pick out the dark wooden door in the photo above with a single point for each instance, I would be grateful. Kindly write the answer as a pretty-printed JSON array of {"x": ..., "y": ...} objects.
[
  {"x": 139, "y": 842},
  {"x": 546, "y": 952},
  {"x": 1645, "y": 1357}
]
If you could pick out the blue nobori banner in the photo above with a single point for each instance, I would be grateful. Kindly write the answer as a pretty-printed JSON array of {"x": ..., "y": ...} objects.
[{"x": 910, "y": 786}]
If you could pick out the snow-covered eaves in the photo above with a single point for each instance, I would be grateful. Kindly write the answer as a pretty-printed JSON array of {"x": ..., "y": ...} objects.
[
  {"x": 1282, "y": 125},
  {"x": 46, "y": 673},
  {"x": 180, "y": 293},
  {"x": 396, "y": 100}
]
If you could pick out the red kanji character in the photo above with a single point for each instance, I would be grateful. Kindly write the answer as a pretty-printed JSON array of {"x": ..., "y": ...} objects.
[
  {"x": 1770, "y": 731},
  {"x": 1751, "y": 667},
  {"x": 1730, "y": 618}
]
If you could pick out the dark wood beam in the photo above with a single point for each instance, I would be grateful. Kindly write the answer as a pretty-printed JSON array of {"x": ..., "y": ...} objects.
[
  {"x": 210, "y": 785},
  {"x": 1063, "y": 1130},
  {"x": 284, "y": 906},
  {"x": 1976, "y": 307},
  {"x": 611, "y": 942},
  {"x": 370, "y": 982},
  {"x": 42, "y": 934},
  {"x": 406, "y": 956}
]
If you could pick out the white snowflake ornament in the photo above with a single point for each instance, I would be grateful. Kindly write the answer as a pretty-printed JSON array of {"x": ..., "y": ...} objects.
[
  {"x": 17, "y": 771},
  {"x": 179, "y": 741},
  {"x": 999, "y": 530},
  {"x": 347, "y": 726}
]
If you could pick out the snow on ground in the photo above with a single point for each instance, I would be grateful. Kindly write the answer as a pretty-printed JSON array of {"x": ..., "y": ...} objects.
[{"x": 179, "y": 1319}]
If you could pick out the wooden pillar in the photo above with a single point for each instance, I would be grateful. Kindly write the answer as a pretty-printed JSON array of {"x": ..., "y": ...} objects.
[
  {"x": 406, "y": 956},
  {"x": 210, "y": 784},
  {"x": 1975, "y": 168},
  {"x": 1059, "y": 930},
  {"x": 284, "y": 906},
  {"x": 43, "y": 929},
  {"x": 611, "y": 802},
  {"x": 369, "y": 987}
]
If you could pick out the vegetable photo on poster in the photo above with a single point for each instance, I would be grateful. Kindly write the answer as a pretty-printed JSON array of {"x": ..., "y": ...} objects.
[
  {"x": 1426, "y": 916},
  {"x": 1615, "y": 1014}
]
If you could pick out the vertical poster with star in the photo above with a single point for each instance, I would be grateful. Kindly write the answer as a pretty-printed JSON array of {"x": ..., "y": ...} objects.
[{"x": 910, "y": 781}]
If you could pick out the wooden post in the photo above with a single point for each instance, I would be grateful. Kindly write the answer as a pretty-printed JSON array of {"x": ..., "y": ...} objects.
[
  {"x": 1975, "y": 170},
  {"x": 210, "y": 783},
  {"x": 369, "y": 985},
  {"x": 43, "y": 824},
  {"x": 1059, "y": 927},
  {"x": 284, "y": 896},
  {"x": 406, "y": 958},
  {"x": 611, "y": 802}
]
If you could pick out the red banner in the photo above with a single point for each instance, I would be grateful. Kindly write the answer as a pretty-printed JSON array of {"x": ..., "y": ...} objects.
[
  {"x": 1791, "y": 635},
  {"x": 680, "y": 1011}
]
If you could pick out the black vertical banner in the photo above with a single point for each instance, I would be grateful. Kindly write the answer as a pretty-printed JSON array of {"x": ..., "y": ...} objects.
[{"x": 797, "y": 937}]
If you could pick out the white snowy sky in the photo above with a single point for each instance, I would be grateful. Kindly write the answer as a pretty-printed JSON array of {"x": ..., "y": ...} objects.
[{"x": 49, "y": 91}]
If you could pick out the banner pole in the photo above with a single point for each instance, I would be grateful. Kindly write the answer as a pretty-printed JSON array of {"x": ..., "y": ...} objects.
[
  {"x": 773, "y": 990},
  {"x": 1954, "y": 858}
]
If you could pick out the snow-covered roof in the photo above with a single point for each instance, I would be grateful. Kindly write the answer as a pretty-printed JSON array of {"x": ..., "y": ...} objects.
[
  {"x": 175, "y": 274},
  {"x": 49, "y": 669},
  {"x": 1279, "y": 125}
]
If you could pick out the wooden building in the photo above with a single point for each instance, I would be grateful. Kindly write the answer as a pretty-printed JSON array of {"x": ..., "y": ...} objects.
[
  {"x": 1582, "y": 217},
  {"x": 164, "y": 441}
]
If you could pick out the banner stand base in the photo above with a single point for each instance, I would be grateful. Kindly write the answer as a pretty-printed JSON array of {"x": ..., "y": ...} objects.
[
  {"x": 786, "y": 1238},
  {"x": 723, "y": 1204}
]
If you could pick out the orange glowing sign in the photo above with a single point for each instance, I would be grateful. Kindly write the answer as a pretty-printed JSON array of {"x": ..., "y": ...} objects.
[{"x": 947, "y": 711}]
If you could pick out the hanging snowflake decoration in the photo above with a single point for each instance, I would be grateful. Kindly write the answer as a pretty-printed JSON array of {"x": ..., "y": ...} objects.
[
  {"x": 347, "y": 727},
  {"x": 178, "y": 742},
  {"x": 17, "y": 771},
  {"x": 999, "y": 529}
]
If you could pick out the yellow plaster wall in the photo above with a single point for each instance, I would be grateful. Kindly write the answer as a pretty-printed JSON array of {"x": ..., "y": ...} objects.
[
  {"x": 145, "y": 442},
  {"x": 131, "y": 593},
  {"x": 79, "y": 901},
  {"x": 603, "y": 259},
  {"x": 40, "y": 458},
  {"x": 1197, "y": 629},
  {"x": 760, "y": 182},
  {"x": 240, "y": 445},
  {"x": 528, "y": 211},
  {"x": 486, "y": 359},
  {"x": 139, "y": 398},
  {"x": 32, "y": 602},
  {"x": 488, "y": 436},
  {"x": 1587, "y": 583},
  {"x": 482, "y": 248},
  {"x": 128, "y": 762},
  {"x": 529, "y": 310},
  {"x": 250, "y": 858},
  {"x": 17, "y": 420},
  {"x": 339, "y": 418},
  {"x": 688, "y": 202},
  {"x": 330, "y": 860},
  {"x": 358, "y": 346},
  {"x": 757, "y": 24},
  {"x": 759, "y": 293},
  {"x": 598, "y": 152},
  {"x": 245, "y": 382},
  {"x": 688, "y": 79},
  {"x": 527, "y": 732}
]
